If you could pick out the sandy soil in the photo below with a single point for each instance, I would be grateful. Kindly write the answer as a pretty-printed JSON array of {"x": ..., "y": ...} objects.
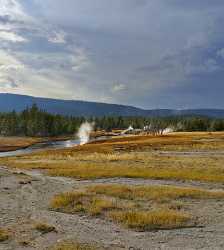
[{"x": 24, "y": 200}]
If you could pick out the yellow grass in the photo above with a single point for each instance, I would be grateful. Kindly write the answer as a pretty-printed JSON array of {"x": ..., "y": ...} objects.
[
  {"x": 132, "y": 205},
  {"x": 72, "y": 246},
  {"x": 44, "y": 228},
  {"x": 176, "y": 141},
  {"x": 83, "y": 171},
  {"x": 102, "y": 204},
  {"x": 133, "y": 157},
  {"x": 141, "y": 220},
  {"x": 129, "y": 214},
  {"x": 10, "y": 143},
  {"x": 19, "y": 141},
  {"x": 154, "y": 192},
  {"x": 82, "y": 201},
  {"x": 13, "y": 143},
  {"x": 4, "y": 235},
  {"x": 137, "y": 165},
  {"x": 139, "y": 207}
]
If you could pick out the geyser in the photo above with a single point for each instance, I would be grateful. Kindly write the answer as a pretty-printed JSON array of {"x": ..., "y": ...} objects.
[{"x": 84, "y": 132}]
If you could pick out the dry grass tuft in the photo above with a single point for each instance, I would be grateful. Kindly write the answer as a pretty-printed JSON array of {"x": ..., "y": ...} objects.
[
  {"x": 44, "y": 228},
  {"x": 154, "y": 192},
  {"x": 4, "y": 235},
  {"x": 82, "y": 201},
  {"x": 72, "y": 246},
  {"x": 100, "y": 205},
  {"x": 24, "y": 242},
  {"x": 144, "y": 220}
]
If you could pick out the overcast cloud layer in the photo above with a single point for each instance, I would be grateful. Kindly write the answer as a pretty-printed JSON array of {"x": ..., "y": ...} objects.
[{"x": 147, "y": 53}]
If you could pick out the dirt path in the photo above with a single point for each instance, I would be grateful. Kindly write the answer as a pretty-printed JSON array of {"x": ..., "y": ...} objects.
[{"x": 24, "y": 200}]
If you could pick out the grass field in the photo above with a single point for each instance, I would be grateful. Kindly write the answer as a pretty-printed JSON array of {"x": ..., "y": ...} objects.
[{"x": 135, "y": 157}]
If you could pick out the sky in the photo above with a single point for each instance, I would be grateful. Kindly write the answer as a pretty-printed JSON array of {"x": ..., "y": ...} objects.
[{"x": 145, "y": 53}]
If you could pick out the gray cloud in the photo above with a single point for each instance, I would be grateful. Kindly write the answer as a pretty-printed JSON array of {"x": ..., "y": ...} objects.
[
  {"x": 8, "y": 83},
  {"x": 220, "y": 53},
  {"x": 5, "y": 19},
  {"x": 147, "y": 53},
  {"x": 195, "y": 4}
]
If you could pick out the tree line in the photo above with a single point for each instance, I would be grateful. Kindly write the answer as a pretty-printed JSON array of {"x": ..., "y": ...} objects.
[
  {"x": 158, "y": 125},
  {"x": 35, "y": 122}
]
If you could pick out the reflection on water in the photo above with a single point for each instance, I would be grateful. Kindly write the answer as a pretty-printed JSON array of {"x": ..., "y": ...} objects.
[{"x": 41, "y": 146}]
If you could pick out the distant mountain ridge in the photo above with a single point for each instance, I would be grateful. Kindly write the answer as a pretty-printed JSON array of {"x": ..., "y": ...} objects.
[{"x": 9, "y": 102}]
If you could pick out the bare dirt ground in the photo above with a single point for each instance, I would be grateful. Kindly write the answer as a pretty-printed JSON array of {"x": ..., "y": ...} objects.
[{"x": 24, "y": 201}]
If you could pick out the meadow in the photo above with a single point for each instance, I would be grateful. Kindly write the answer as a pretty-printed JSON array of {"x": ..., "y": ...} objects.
[{"x": 180, "y": 156}]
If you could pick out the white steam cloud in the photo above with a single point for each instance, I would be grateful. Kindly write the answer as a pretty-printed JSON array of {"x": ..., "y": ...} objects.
[
  {"x": 168, "y": 130},
  {"x": 84, "y": 132},
  {"x": 130, "y": 128}
]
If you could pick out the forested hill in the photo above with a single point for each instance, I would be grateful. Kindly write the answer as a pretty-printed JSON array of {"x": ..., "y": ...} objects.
[
  {"x": 35, "y": 122},
  {"x": 9, "y": 102}
]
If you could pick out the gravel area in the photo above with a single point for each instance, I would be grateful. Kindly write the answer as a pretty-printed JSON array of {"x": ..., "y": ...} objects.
[{"x": 24, "y": 200}]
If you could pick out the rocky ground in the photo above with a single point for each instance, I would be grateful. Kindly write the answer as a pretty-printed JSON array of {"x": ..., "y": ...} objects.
[{"x": 24, "y": 201}]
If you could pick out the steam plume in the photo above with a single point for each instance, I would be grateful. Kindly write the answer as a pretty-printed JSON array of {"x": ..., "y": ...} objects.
[
  {"x": 130, "y": 128},
  {"x": 84, "y": 132},
  {"x": 168, "y": 130}
]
